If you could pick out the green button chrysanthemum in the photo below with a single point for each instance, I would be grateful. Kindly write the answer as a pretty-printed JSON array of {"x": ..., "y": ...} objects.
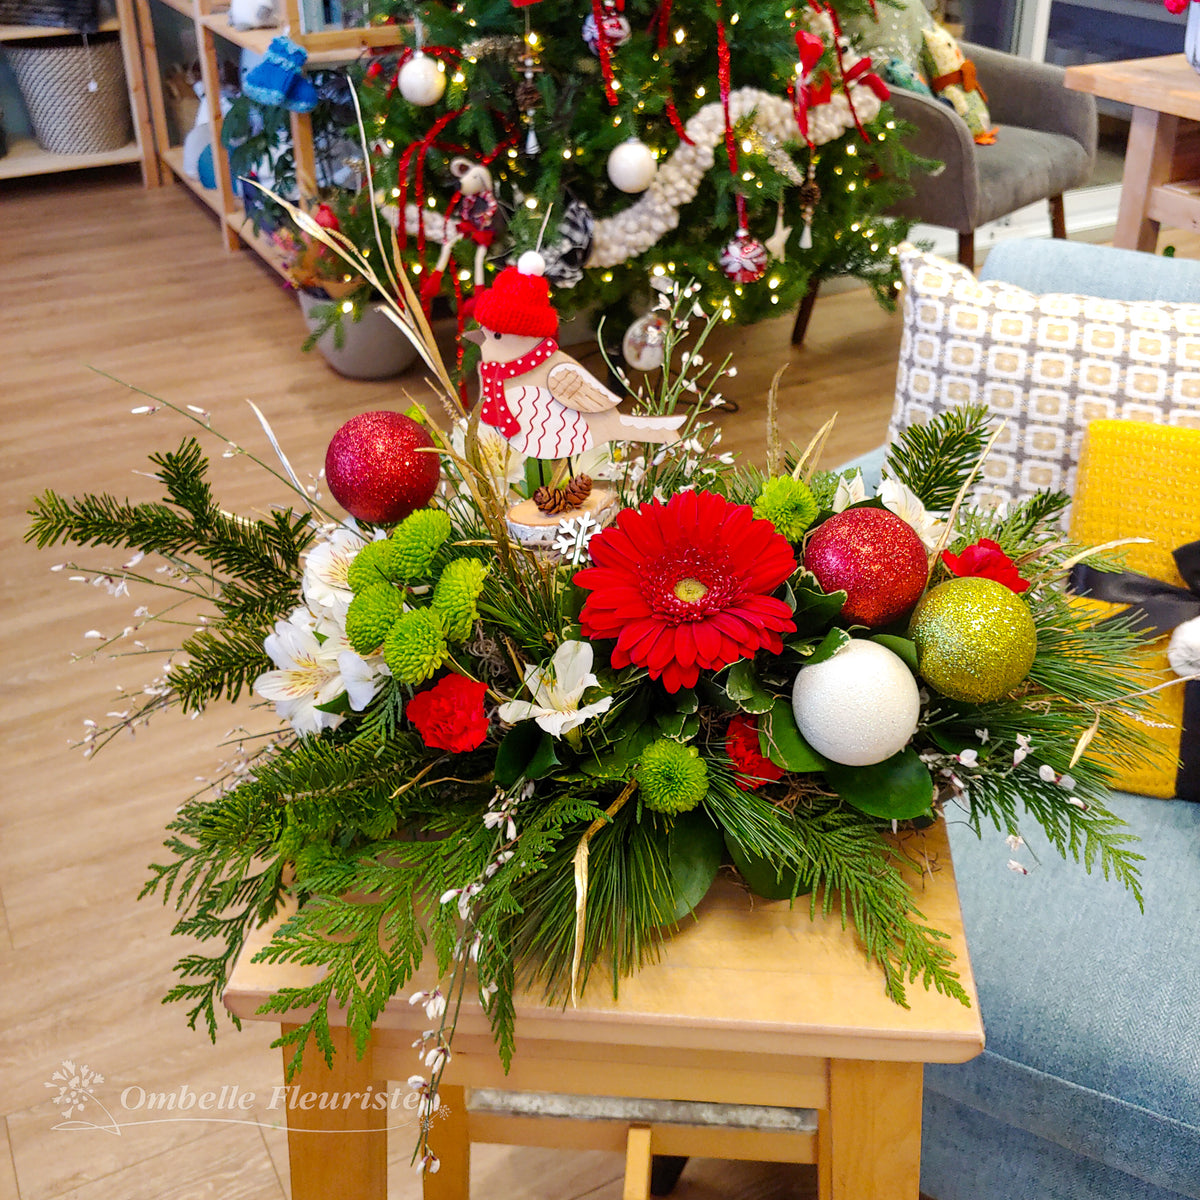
[
  {"x": 673, "y": 777},
  {"x": 788, "y": 504},
  {"x": 416, "y": 646},
  {"x": 373, "y": 564},
  {"x": 370, "y": 615},
  {"x": 417, "y": 539},
  {"x": 456, "y": 595}
]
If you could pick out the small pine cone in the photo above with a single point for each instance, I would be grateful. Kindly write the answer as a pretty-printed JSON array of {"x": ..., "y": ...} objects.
[
  {"x": 578, "y": 490},
  {"x": 528, "y": 95},
  {"x": 551, "y": 500},
  {"x": 810, "y": 194}
]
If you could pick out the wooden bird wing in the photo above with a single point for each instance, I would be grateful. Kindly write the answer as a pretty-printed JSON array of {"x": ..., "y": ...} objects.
[{"x": 574, "y": 387}]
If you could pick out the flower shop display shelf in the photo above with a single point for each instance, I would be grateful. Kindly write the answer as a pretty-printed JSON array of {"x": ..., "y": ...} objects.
[
  {"x": 211, "y": 20},
  {"x": 754, "y": 1003},
  {"x": 26, "y": 157}
]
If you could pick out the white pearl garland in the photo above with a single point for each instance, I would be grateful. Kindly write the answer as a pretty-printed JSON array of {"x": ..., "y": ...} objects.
[{"x": 634, "y": 230}]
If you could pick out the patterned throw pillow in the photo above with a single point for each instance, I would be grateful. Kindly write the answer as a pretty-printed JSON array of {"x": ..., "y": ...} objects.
[{"x": 1047, "y": 365}]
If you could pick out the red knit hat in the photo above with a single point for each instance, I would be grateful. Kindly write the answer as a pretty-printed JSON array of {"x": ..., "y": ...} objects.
[{"x": 519, "y": 301}]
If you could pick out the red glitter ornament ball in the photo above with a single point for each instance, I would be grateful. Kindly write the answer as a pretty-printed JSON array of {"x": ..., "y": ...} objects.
[
  {"x": 379, "y": 467},
  {"x": 875, "y": 557}
]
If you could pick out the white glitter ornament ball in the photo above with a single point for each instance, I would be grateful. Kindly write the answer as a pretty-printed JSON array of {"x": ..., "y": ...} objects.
[
  {"x": 421, "y": 81},
  {"x": 632, "y": 166},
  {"x": 1183, "y": 652},
  {"x": 858, "y": 707}
]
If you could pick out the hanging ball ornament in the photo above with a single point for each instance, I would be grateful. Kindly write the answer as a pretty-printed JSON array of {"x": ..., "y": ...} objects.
[
  {"x": 616, "y": 30},
  {"x": 644, "y": 345},
  {"x": 858, "y": 707},
  {"x": 632, "y": 166},
  {"x": 876, "y": 558},
  {"x": 380, "y": 466},
  {"x": 975, "y": 639},
  {"x": 744, "y": 259},
  {"x": 421, "y": 80}
]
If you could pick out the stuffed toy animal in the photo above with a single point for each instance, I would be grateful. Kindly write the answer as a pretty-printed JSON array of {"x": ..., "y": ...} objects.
[
  {"x": 952, "y": 77},
  {"x": 253, "y": 14},
  {"x": 899, "y": 74}
]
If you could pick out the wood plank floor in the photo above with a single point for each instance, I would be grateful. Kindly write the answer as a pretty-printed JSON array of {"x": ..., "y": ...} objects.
[{"x": 101, "y": 276}]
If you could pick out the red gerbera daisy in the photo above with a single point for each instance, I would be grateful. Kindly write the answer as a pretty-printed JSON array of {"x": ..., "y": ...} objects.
[{"x": 685, "y": 586}]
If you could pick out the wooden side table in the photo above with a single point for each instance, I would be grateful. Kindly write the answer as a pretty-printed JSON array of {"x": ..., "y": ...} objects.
[
  {"x": 753, "y": 1004},
  {"x": 1161, "y": 184}
]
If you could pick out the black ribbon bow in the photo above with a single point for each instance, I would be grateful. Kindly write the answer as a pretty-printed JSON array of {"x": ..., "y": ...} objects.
[{"x": 1159, "y": 608}]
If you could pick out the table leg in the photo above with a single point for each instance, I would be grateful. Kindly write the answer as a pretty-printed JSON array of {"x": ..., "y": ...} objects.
[
  {"x": 1148, "y": 157},
  {"x": 450, "y": 1141},
  {"x": 336, "y": 1148},
  {"x": 869, "y": 1142}
]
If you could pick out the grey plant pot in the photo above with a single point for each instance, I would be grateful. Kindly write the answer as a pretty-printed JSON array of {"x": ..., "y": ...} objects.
[{"x": 373, "y": 347}]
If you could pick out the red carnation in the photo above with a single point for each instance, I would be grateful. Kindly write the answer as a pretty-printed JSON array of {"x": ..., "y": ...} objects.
[
  {"x": 686, "y": 587},
  {"x": 741, "y": 744},
  {"x": 986, "y": 560},
  {"x": 449, "y": 715}
]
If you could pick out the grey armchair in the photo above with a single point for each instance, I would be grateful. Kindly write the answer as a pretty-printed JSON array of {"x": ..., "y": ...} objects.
[{"x": 1045, "y": 146}]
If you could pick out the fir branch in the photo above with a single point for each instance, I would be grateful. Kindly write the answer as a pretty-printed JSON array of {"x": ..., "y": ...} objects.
[{"x": 934, "y": 460}]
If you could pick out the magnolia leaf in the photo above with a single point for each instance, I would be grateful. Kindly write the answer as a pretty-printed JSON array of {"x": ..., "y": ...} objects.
[
  {"x": 901, "y": 647},
  {"x": 339, "y": 705},
  {"x": 694, "y": 848},
  {"x": 771, "y": 881},
  {"x": 897, "y": 789},
  {"x": 616, "y": 762},
  {"x": 782, "y": 742},
  {"x": 516, "y": 752},
  {"x": 744, "y": 689},
  {"x": 832, "y": 642}
]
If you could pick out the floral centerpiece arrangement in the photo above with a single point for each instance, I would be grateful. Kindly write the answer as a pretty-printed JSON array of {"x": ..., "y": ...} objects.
[{"x": 531, "y": 712}]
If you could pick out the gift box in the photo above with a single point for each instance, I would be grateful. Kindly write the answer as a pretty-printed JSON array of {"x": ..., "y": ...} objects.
[{"x": 1139, "y": 480}]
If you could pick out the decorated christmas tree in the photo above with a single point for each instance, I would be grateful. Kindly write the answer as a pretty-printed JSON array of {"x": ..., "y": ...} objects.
[{"x": 747, "y": 146}]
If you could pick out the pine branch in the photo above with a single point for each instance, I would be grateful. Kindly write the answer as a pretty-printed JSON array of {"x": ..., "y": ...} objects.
[{"x": 844, "y": 857}]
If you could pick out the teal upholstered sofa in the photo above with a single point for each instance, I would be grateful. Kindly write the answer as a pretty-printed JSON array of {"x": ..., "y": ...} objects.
[{"x": 1089, "y": 1088}]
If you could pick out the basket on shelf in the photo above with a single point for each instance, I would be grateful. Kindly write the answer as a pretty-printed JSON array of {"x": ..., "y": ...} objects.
[
  {"x": 69, "y": 116},
  {"x": 66, "y": 14}
]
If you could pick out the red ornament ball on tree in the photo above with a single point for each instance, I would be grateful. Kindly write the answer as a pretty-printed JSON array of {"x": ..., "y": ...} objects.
[
  {"x": 380, "y": 466},
  {"x": 875, "y": 557}
]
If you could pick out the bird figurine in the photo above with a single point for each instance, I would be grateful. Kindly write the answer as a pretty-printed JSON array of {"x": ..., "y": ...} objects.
[{"x": 536, "y": 397}]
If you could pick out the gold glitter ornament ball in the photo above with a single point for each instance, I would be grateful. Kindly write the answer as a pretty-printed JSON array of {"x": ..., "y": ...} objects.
[{"x": 975, "y": 639}]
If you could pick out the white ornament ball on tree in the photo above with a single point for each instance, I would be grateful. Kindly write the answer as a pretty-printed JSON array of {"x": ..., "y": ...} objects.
[
  {"x": 858, "y": 707},
  {"x": 422, "y": 81},
  {"x": 632, "y": 166}
]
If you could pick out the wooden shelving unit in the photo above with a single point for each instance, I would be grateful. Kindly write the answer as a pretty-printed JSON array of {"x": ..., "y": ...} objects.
[
  {"x": 25, "y": 157},
  {"x": 211, "y": 21}
]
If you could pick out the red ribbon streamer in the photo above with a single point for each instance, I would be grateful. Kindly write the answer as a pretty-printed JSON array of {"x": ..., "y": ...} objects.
[
  {"x": 602, "y": 44},
  {"x": 730, "y": 141},
  {"x": 662, "y": 19}
]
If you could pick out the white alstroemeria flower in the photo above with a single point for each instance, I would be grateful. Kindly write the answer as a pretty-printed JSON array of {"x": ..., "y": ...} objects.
[
  {"x": 557, "y": 692},
  {"x": 502, "y": 463},
  {"x": 360, "y": 677},
  {"x": 849, "y": 491},
  {"x": 305, "y": 678},
  {"x": 324, "y": 583},
  {"x": 901, "y": 500}
]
